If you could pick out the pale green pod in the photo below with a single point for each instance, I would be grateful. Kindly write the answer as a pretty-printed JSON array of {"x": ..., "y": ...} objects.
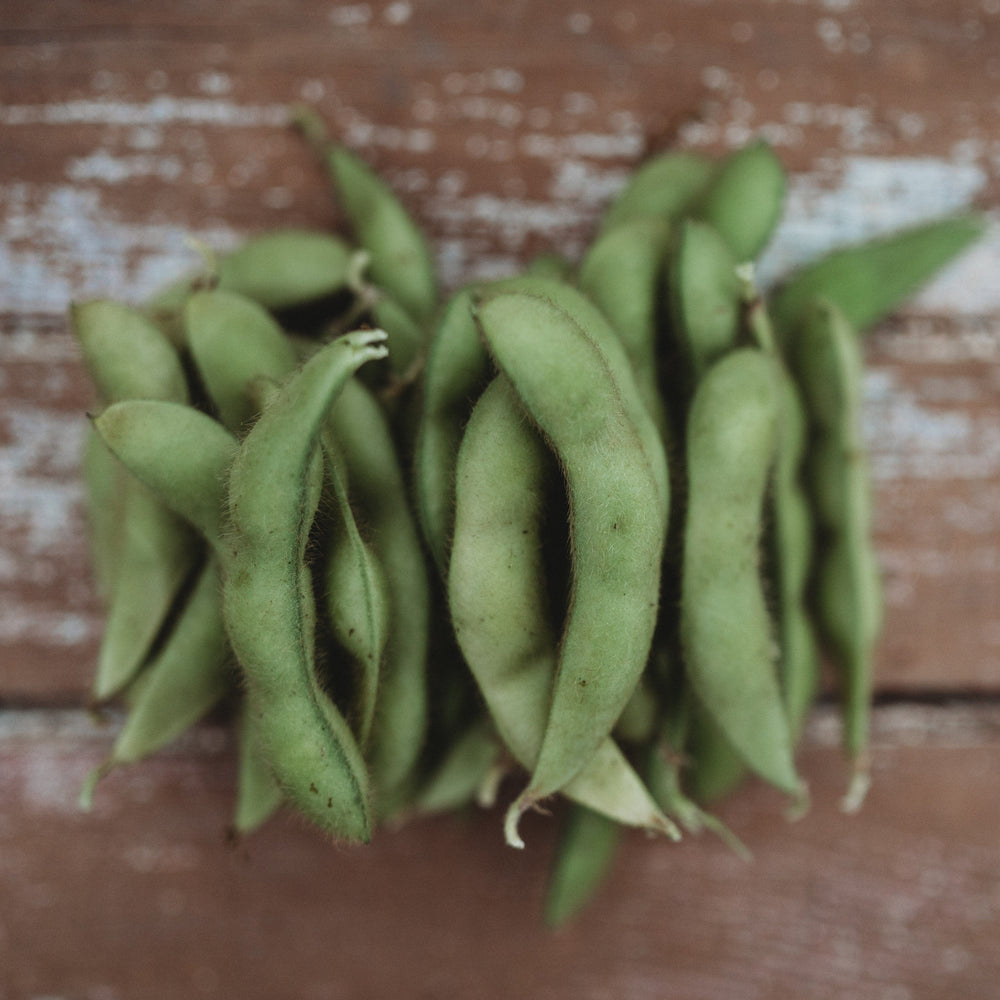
[
  {"x": 499, "y": 606},
  {"x": 551, "y": 266},
  {"x": 191, "y": 673},
  {"x": 104, "y": 482},
  {"x": 561, "y": 359},
  {"x": 258, "y": 794},
  {"x": 716, "y": 769},
  {"x": 401, "y": 261},
  {"x": 458, "y": 778},
  {"x": 726, "y": 634},
  {"x": 179, "y": 453},
  {"x": 827, "y": 360},
  {"x": 457, "y": 368},
  {"x": 705, "y": 297},
  {"x": 621, "y": 275},
  {"x": 232, "y": 341},
  {"x": 268, "y": 600},
  {"x": 127, "y": 357},
  {"x": 286, "y": 267},
  {"x": 584, "y": 857},
  {"x": 356, "y": 597},
  {"x": 379, "y": 493},
  {"x": 157, "y": 554},
  {"x": 406, "y": 339},
  {"x": 744, "y": 200},
  {"x": 667, "y": 185},
  {"x": 866, "y": 282}
]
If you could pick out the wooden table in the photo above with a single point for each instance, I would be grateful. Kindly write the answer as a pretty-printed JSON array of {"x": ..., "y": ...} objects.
[{"x": 505, "y": 128}]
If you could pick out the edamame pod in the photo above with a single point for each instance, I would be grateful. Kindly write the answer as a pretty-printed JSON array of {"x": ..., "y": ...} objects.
[
  {"x": 232, "y": 341},
  {"x": 187, "y": 678},
  {"x": 181, "y": 454},
  {"x": 866, "y": 282},
  {"x": 668, "y": 185},
  {"x": 460, "y": 775},
  {"x": 562, "y": 363},
  {"x": 258, "y": 795},
  {"x": 356, "y": 595},
  {"x": 268, "y": 601},
  {"x": 705, "y": 297},
  {"x": 584, "y": 857},
  {"x": 743, "y": 201},
  {"x": 104, "y": 481},
  {"x": 827, "y": 359},
  {"x": 401, "y": 261},
  {"x": 128, "y": 358},
  {"x": 379, "y": 492},
  {"x": 621, "y": 276},
  {"x": 725, "y": 628},
  {"x": 498, "y": 599}
]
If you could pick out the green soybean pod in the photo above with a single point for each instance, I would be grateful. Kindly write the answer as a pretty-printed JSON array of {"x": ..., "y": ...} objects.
[
  {"x": 187, "y": 678},
  {"x": 268, "y": 600},
  {"x": 667, "y": 185},
  {"x": 457, "y": 368},
  {"x": 498, "y": 600},
  {"x": 378, "y": 490},
  {"x": 128, "y": 358},
  {"x": 791, "y": 555},
  {"x": 287, "y": 267},
  {"x": 621, "y": 276},
  {"x": 406, "y": 339},
  {"x": 705, "y": 296},
  {"x": 866, "y": 282},
  {"x": 461, "y": 774},
  {"x": 401, "y": 261},
  {"x": 827, "y": 359},
  {"x": 232, "y": 341},
  {"x": 356, "y": 595},
  {"x": 104, "y": 481},
  {"x": 182, "y": 455},
  {"x": 551, "y": 266},
  {"x": 743, "y": 201},
  {"x": 725, "y": 627},
  {"x": 589, "y": 409},
  {"x": 258, "y": 795},
  {"x": 583, "y": 860},
  {"x": 716, "y": 767}
]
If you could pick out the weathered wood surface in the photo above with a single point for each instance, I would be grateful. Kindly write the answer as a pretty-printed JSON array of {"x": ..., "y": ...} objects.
[
  {"x": 144, "y": 898},
  {"x": 124, "y": 127}
]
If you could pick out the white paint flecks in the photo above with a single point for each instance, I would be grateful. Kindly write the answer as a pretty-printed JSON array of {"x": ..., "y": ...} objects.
[
  {"x": 60, "y": 243},
  {"x": 162, "y": 110},
  {"x": 107, "y": 169}
]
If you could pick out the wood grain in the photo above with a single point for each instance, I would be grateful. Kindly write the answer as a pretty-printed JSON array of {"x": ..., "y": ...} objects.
[
  {"x": 505, "y": 128},
  {"x": 144, "y": 897}
]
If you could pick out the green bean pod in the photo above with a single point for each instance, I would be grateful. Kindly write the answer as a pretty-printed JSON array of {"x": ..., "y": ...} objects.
[
  {"x": 744, "y": 199},
  {"x": 668, "y": 185},
  {"x": 725, "y": 628},
  {"x": 356, "y": 597},
  {"x": 866, "y": 282},
  {"x": 184, "y": 681},
  {"x": 585, "y": 854},
  {"x": 268, "y": 601},
  {"x": 459, "y": 777},
  {"x": 379, "y": 492},
  {"x": 621, "y": 276},
  {"x": 827, "y": 359},
  {"x": 401, "y": 261},
  {"x": 258, "y": 795},
  {"x": 233, "y": 340},
  {"x": 128, "y": 358},
  {"x": 575, "y": 381},
  {"x": 498, "y": 600},
  {"x": 104, "y": 483},
  {"x": 705, "y": 297}
]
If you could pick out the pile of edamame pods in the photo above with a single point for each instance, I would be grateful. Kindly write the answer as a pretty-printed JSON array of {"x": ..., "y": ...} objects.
[{"x": 587, "y": 527}]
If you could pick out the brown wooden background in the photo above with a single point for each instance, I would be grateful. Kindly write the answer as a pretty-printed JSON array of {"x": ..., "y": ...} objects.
[{"x": 124, "y": 126}]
